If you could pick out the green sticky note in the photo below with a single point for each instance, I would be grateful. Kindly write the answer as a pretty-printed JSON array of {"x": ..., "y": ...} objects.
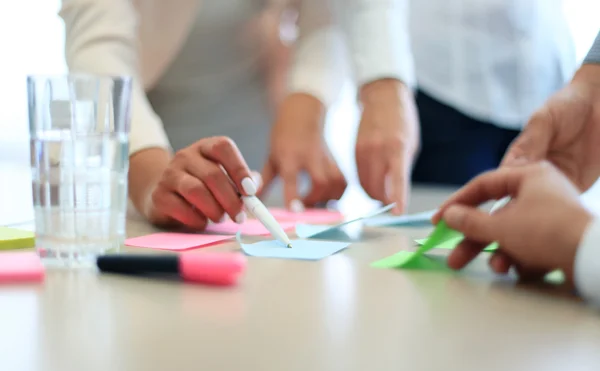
[
  {"x": 408, "y": 260},
  {"x": 11, "y": 238},
  {"x": 556, "y": 277},
  {"x": 441, "y": 234},
  {"x": 452, "y": 243}
]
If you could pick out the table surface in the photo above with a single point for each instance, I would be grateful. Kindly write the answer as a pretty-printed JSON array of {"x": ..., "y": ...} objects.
[{"x": 335, "y": 314}]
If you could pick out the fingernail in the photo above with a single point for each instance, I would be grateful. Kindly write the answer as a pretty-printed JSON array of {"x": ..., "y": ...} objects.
[
  {"x": 240, "y": 218},
  {"x": 224, "y": 218},
  {"x": 249, "y": 186},
  {"x": 257, "y": 178},
  {"x": 454, "y": 216},
  {"x": 296, "y": 206}
]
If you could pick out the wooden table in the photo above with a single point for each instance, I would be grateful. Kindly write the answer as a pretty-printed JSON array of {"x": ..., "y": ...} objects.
[{"x": 335, "y": 314}]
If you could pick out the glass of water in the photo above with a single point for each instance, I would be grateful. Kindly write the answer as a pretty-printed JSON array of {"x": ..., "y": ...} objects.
[{"x": 79, "y": 127}]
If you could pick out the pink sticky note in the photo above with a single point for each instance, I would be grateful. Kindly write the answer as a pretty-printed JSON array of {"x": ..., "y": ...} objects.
[
  {"x": 175, "y": 241},
  {"x": 21, "y": 267},
  {"x": 251, "y": 227},
  {"x": 314, "y": 216}
]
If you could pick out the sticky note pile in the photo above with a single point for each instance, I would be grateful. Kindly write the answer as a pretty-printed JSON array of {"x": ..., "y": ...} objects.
[
  {"x": 315, "y": 241},
  {"x": 422, "y": 219},
  {"x": 175, "y": 241},
  {"x": 11, "y": 238},
  {"x": 301, "y": 249},
  {"x": 250, "y": 227},
  {"x": 453, "y": 242},
  {"x": 328, "y": 231},
  {"x": 311, "y": 244},
  {"x": 440, "y": 235},
  {"x": 220, "y": 232},
  {"x": 314, "y": 216}
]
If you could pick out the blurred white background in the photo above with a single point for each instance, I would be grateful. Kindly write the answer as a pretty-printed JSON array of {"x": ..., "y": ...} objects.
[{"x": 31, "y": 34}]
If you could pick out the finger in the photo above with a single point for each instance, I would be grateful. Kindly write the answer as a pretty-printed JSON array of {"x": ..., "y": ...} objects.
[
  {"x": 500, "y": 262},
  {"x": 475, "y": 224},
  {"x": 223, "y": 151},
  {"x": 372, "y": 178},
  {"x": 195, "y": 192},
  {"x": 492, "y": 185},
  {"x": 289, "y": 176},
  {"x": 320, "y": 182},
  {"x": 337, "y": 186},
  {"x": 464, "y": 253},
  {"x": 534, "y": 141},
  {"x": 268, "y": 174},
  {"x": 178, "y": 209},
  {"x": 219, "y": 185},
  {"x": 397, "y": 184},
  {"x": 528, "y": 274}
]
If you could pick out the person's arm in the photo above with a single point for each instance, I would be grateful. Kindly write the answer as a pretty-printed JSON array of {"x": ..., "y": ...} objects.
[
  {"x": 587, "y": 264},
  {"x": 278, "y": 52},
  {"x": 593, "y": 57},
  {"x": 378, "y": 36},
  {"x": 101, "y": 38},
  {"x": 319, "y": 57},
  {"x": 377, "y": 32}
]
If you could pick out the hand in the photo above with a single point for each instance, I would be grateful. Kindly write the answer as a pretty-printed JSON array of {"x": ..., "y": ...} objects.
[
  {"x": 566, "y": 131},
  {"x": 539, "y": 229},
  {"x": 297, "y": 145},
  {"x": 201, "y": 182},
  {"x": 387, "y": 141}
]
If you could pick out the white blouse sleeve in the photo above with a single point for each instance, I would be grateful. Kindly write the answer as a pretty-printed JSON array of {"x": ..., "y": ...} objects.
[
  {"x": 587, "y": 264},
  {"x": 379, "y": 40},
  {"x": 319, "y": 64},
  {"x": 101, "y": 38}
]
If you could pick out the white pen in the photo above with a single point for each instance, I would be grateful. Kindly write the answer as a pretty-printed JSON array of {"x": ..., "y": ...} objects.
[
  {"x": 500, "y": 204},
  {"x": 260, "y": 212}
]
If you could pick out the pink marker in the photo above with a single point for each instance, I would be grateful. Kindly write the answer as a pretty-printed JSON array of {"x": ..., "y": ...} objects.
[{"x": 210, "y": 268}]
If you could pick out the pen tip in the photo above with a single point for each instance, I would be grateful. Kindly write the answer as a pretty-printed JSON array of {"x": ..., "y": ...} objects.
[{"x": 289, "y": 245}]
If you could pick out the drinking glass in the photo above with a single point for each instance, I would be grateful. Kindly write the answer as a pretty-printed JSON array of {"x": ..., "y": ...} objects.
[{"x": 79, "y": 127}]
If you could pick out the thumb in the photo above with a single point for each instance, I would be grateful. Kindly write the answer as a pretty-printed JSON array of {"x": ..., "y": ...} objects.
[
  {"x": 475, "y": 224},
  {"x": 533, "y": 143}
]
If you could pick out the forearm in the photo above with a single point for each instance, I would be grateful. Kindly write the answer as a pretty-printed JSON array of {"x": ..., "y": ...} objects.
[
  {"x": 384, "y": 91},
  {"x": 145, "y": 169}
]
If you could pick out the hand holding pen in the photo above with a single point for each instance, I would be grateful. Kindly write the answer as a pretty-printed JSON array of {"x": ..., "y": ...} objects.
[{"x": 200, "y": 183}]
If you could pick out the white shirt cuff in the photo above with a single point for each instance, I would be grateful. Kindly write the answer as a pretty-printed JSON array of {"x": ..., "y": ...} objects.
[
  {"x": 319, "y": 67},
  {"x": 380, "y": 42},
  {"x": 587, "y": 264}
]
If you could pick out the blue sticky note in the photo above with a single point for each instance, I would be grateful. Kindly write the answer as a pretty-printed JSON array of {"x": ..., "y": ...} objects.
[
  {"x": 301, "y": 249},
  {"x": 320, "y": 231},
  {"x": 334, "y": 231},
  {"x": 309, "y": 230},
  {"x": 422, "y": 219}
]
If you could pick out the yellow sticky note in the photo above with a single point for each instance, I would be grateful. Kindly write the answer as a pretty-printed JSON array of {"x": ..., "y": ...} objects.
[{"x": 11, "y": 238}]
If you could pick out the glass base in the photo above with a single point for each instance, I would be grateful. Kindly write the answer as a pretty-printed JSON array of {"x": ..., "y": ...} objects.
[{"x": 74, "y": 254}]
